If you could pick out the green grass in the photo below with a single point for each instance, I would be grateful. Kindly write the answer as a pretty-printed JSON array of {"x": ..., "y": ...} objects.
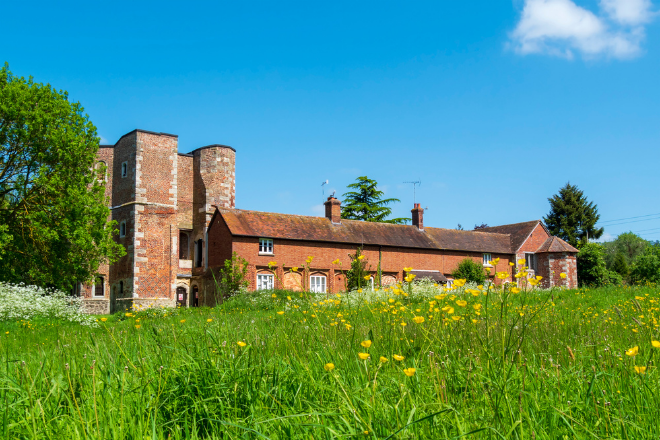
[{"x": 529, "y": 366}]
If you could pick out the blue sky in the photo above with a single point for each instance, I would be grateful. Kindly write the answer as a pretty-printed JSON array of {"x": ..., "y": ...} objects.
[{"x": 493, "y": 105}]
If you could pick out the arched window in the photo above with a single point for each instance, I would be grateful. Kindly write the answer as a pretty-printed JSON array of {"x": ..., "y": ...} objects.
[{"x": 99, "y": 286}]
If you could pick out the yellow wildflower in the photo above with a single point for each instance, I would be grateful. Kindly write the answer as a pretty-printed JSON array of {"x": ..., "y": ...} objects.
[
  {"x": 294, "y": 268},
  {"x": 460, "y": 282},
  {"x": 329, "y": 366},
  {"x": 461, "y": 303},
  {"x": 366, "y": 344},
  {"x": 476, "y": 306},
  {"x": 656, "y": 344},
  {"x": 363, "y": 356},
  {"x": 336, "y": 261},
  {"x": 640, "y": 370},
  {"x": 521, "y": 261},
  {"x": 562, "y": 275},
  {"x": 137, "y": 326},
  {"x": 272, "y": 264},
  {"x": 511, "y": 263},
  {"x": 241, "y": 344},
  {"x": 209, "y": 320},
  {"x": 182, "y": 321},
  {"x": 410, "y": 372},
  {"x": 274, "y": 296},
  {"x": 418, "y": 319},
  {"x": 280, "y": 313},
  {"x": 403, "y": 324},
  {"x": 104, "y": 319},
  {"x": 633, "y": 351},
  {"x": 367, "y": 277},
  {"x": 456, "y": 318},
  {"x": 383, "y": 359},
  {"x": 502, "y": 275},
  {"x": 398, "y": 357},
  {"x": 407, "y": 269},
  {"x": 361, "y": 257},
  {"x": 515, "y": 290}
]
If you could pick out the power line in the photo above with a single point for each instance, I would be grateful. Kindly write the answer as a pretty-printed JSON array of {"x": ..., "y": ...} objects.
[
  {"x": 628, "y": 218},
  {"x": 634, "y": 221}
]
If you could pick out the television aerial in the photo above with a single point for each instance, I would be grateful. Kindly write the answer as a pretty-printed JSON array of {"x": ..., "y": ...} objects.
[{"x": 414, "y": 184}]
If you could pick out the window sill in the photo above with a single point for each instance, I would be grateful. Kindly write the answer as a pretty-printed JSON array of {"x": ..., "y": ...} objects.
[
  {"x": 488, "y": 265},
  {"x": 270, "y": 254}
]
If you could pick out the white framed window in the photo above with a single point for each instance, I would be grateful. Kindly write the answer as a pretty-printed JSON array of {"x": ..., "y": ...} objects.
[
  {"x": 530, "y": 261},
  {"x": 122, "y": 229},
  {"x": 487, "y": 259},
  {"x": 317, "y": 283},
  {"x": 265, "y": 245},
  {"x": 450, "y": 283},
  {"x": 124, "y": 169},
  {"x": 265, "y": 281}
]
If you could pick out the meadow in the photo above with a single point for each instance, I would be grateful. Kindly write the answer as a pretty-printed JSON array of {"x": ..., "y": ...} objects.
[{"x": 402, "y": 363}]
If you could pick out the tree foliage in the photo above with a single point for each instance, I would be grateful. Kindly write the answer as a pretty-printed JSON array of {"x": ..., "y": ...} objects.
[
  {"x": 620, "y": 265},
  {"x": 572, "y": 217},
  {"x": 366, "y": 203},
  {"x": 54, "y": 227},
  {"x": 232, "y": 277},
  {"x": 591, "y": 268},
  {"x": 470, "y": 270},
  {"x": 646, "y": 267},
  {"x": 629, "y": 244},
  {"x": 355, "y": 275}
]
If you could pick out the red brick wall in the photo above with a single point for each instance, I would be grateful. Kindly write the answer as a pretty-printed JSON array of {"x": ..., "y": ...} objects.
[
  {"x": 156, "y": 256},
  {"x": 156, "y": 159},
  {"x": 552, "y": 265},
  {"x": 185, "y": 191},
  {"x": 534, "y": 241}
]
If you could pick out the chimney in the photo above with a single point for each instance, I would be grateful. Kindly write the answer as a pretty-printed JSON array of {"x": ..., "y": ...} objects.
[
  {"x": 333, "y": 210},
  {"x": 418, "y": 217}
]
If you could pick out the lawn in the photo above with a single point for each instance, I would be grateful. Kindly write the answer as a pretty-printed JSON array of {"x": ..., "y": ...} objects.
[{"x": 469, "y": 363}]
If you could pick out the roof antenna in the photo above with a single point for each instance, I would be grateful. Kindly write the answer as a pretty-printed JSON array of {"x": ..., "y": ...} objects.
[
  {"x": 323, "y": 189},
  {"x": 417, "y": 182}
]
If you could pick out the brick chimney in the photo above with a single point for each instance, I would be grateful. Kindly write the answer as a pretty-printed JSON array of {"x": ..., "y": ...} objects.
[
  {"x": 333, "y": 210},
  {"x": 418, "y": 217}
]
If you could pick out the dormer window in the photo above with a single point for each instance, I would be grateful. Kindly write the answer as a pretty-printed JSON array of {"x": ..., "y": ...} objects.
[{"x": 266, "y": 246}]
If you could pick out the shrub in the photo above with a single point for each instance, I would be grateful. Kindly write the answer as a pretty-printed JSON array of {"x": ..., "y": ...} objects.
[
  {"x": 355, "y": 275},
  {"x": 18, "y": 301},
  {"x": 232, "y": 277},
  {"x": 591, "y": 267},
  {"x": 470, "y": 270},
  {"x": 646, "y": 267}
]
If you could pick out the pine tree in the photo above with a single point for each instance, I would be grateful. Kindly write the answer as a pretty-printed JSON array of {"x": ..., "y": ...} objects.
[
  {"x": 366, "y": 203},
  {"x": 572, "y": 217}
]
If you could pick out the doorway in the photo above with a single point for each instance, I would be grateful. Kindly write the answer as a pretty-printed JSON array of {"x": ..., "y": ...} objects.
[
  {"x": 181, "y": 297},
  {"x": 195, "y": 297}
]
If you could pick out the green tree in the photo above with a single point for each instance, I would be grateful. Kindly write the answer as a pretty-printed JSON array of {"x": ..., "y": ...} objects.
[
  {"x": 355, "y": 275},
  {"x": 470, "y": 270},
  {"x": 629, "y": 244},
  {"x": 366, "y": 203},
  {"x": 620, "y": 265},
  {"x": 572, "y": 218},
  {"x": 55, "y": 229},
  {"x": 646, "y": 267},
  {"x": 232, "y": 277},
  {"x": 591, "y": 269}
]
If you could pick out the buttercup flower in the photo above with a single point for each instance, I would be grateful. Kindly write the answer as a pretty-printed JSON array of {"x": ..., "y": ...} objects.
[
  {"x": 361, "y": 257},
  {"x": 633, "y": 351},
  {"x": 407, "y": 269},
  {"x": 363, "y": 356},
  {"x": 367, "y": 277},
  {"x": 382, "y": 359},
  {"x": 137, "y": 326},
  {"x": 398, "y": 357},
  {"x": 521, "y": 261},
  {"x": 366, "y": 344},
  {"x": 329, "y": 366},
  {"x": 294, "y": 268},
  {"x": 562, "y": 275},
  {"x": 336, "y": 261},
  {"x": 461, "y": 303},
  {"x": 502, "y": 275},
  {"x": 104, "y": 319},
  {"x": 515, "y": 290},
  {"x": 656, "y": 344},
  {"x": 272, "y": 264},
  {"x": 410, "y": 372},
  {"x": 640, "y": 370},
  {"x": 209, "y": 320},
  {"x": 511, "y": 263},
  {"x": 418, "y": 319},
  {"x": 280, "y": 313},
  {"x": 241, "y": 344},
  {"x": 456, "y": 318},
  {"x": 274, "y": 296}
]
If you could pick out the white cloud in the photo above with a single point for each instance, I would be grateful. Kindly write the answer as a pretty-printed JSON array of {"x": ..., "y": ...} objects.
[
  {"x": 628, "y": 12},
  {"x": 561, "y": 28},
  {"x": 103, "y": 141}
]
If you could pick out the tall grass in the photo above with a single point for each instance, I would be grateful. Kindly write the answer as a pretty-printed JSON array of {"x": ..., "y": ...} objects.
[{"x": 541, "y": 365}]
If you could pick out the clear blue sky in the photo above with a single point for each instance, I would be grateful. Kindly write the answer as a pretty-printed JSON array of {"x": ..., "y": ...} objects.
[{"x": 494, "y": 105}]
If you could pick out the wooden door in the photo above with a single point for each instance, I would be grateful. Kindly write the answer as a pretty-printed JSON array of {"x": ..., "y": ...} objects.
[{"x": 181, "y": 297}]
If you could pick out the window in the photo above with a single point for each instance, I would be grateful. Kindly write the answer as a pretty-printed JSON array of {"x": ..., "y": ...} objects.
[
  {"x": 124, "y": 169},
  {"x": 265, "y": 245},
  {"x": 199, "y": 247},
  {"x": 487, "y": 259},
  {"x": 184, "y": 253},
  {"x": 450, "y": 283},
  {"x": 99, "y": 287},
  {"x": 317, "y": 284},
  {"x": 121, "y": 287},
  {"x": 122, "y": 229},
  {"x": 265, "y": 281},
  {"x": 75, "y": 290},
  {"x": 530, "y": 261}
]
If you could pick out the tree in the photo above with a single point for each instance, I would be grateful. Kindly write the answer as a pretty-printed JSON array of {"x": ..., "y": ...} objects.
[
  {"x": 481, "y": 226},
  {"x": 591, "y": 269},
  {"x": 646, "y": 267},
  {"x": 629, "y": 244},
  {"x": 232, "y": 277},
  {"x": 572, "y": 218},
  {"x": 620, "y": 265},
  {"x": 55, "y": 229},
  {"x": 355, "y": 275},
  {"x": 470, "y": 270},
  {"x": 366, "y": 203}
]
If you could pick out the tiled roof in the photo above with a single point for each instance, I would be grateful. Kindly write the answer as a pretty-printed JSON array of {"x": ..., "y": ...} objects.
[
  {"x": 518, "y": 231},
  {"x": 555, "y": 244},
  {"x": 434, "y": 275},
  {"x": 298, "y": 227}
]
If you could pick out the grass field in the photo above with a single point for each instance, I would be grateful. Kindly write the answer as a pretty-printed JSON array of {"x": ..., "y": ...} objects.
[{"x": 480, "y": 364}]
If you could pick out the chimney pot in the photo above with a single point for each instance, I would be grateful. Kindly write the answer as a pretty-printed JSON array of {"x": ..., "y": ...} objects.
[{"x": 333, "y": 210}]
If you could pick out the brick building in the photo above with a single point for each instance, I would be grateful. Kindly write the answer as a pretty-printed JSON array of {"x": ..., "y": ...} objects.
[{"x": 177, "y": 220}]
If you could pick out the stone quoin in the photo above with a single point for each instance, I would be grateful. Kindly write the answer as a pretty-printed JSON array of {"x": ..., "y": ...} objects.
[{"x": 177, "y": 219}]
